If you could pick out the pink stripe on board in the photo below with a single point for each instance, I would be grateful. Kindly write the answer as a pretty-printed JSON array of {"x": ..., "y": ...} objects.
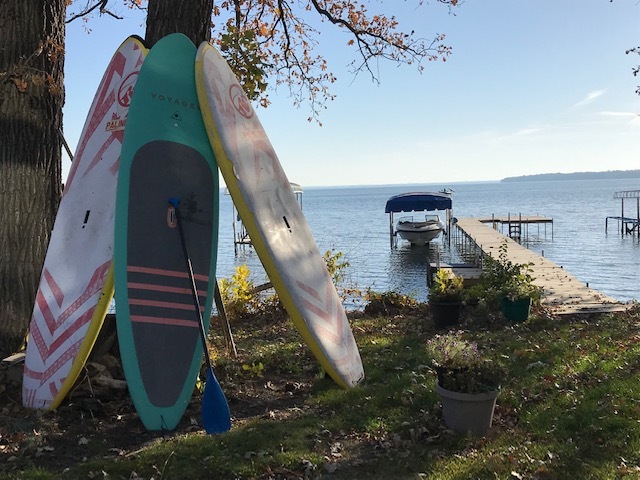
[
  {"x": 166, "y": 273},
  {"x": 314, "y": 293},
  {"x": 28, "y": 397},
  {"x": 53, "y": 285},
  {"x": 69, "y": 332},
  {"x": 324, "y": 333},
  {"x": 45, "y": 311},
  {"x": 35, "y": 336},
  {"x": 67, "y": 356},
  {"x": 164, "y": 321},
  {"x": 163, "y": 288},
  {"x": 153, "y": 303},
  {"x": 32, "y": 373},
  {"x": 100, "y": 154},
  {"x": 53, "y": 389}
]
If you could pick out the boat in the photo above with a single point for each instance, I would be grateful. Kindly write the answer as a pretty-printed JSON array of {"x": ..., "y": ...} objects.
[{"x": 418, "y": 230}]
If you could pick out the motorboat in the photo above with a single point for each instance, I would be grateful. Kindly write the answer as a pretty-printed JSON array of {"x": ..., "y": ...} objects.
[{"x": 418, "y": 229}]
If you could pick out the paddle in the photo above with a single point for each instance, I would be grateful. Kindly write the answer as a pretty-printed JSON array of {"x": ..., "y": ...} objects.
[{"x": 216, "y": 417}]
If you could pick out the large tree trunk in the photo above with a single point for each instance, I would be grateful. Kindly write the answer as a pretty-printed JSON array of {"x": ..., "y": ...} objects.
[
  {"x": 191, "y": 17},
  {"x": 31, "y": 100}
]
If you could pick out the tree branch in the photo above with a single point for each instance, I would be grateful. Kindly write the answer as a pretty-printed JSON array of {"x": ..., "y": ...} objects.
[{"x": 101, "y": 4}]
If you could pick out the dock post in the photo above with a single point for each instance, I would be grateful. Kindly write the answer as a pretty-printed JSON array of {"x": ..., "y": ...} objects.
[
  {"x": 233, "y": 223},
  {"x": 391, "y": 230},
  {"x": 638, "y": 217}
]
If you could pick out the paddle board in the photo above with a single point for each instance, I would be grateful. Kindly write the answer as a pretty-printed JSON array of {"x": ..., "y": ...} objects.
[
  {"x": 166, "y": 154},
  {"x": 278, "y": 230},
  {"x": 76, "y": 287}
]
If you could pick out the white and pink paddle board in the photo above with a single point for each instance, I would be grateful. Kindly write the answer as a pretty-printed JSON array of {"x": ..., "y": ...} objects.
[
  {"x": 268, "y": 208},
  {"x": 76, "y": 285}
]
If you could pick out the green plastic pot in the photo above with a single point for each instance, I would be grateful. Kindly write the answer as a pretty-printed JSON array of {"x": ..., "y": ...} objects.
[{"x": 516, "y": 311}]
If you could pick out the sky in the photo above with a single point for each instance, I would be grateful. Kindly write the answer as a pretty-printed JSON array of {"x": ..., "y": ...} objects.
[{"x": 531, "y": 86}]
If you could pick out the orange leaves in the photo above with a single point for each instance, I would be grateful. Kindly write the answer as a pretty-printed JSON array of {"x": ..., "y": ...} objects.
[
  {"x": 28, "y": 77},
  {"x": 52, "y": 49},
  {"x": 36, "y": 70},
  {"x": 20, "y": 83},
  {"x": 283, "y": 50}
]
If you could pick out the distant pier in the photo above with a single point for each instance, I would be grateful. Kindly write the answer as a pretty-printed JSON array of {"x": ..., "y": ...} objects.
[
  {"x": 517, "y": 226},
  {"x": 626, "y": 225},
  {"x": 562, "y": 292}
]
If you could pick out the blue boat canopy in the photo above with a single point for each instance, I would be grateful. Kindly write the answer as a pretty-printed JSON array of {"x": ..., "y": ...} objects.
[{"x": 418, "y": 201}]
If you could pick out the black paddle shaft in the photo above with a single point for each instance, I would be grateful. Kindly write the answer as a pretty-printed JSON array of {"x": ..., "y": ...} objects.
[{"x": 194, "y": 290}]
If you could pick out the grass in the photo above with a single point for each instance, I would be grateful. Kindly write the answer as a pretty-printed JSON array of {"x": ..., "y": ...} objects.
[{"x": 569, "y": 409}]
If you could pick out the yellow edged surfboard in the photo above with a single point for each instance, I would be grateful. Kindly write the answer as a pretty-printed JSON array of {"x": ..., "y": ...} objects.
[
  {"x": 77, "y": 285},
  {"x": 278, "y": 229}
]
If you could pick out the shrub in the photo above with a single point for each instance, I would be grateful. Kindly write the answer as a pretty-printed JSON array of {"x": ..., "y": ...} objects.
[
  {"x": 387, "y": 303},
  {"x": 446, "y": 287},
  {"x": 338, "y": 268},
  {"x": 237, "y": 293},
  {"x": 504, "y": 278}
]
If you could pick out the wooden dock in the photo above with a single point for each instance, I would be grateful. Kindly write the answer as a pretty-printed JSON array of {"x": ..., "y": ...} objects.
[
  {"x": 562, "y": 292},
  {"x": 517, "y": 226}
]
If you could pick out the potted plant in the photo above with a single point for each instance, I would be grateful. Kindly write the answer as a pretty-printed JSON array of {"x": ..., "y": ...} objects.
[
  {"x": 468, "y": 382},
  {"x": 477, "y": 299},
  {"x": 512, "y": 284},
  {"x": 445, "y": 298}
]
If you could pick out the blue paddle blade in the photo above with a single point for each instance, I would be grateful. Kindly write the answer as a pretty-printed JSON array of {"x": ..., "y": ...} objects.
[{"x": 216, "y": 417}]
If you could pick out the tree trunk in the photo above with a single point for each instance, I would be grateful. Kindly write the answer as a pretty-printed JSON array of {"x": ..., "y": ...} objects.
[
  {"x": 191, "y": 17},
  {"x": 31, "y": 100}
]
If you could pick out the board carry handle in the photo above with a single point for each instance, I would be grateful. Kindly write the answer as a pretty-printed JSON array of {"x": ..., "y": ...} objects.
[{"x": 216, "y": 417}]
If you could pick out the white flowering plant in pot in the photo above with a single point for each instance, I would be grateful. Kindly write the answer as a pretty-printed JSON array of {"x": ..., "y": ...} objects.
[{"x": 461, "y": 367}]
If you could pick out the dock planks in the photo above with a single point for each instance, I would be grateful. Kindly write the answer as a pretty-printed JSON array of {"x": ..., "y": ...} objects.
[
  {"x": 562, "y": 292},
  {"x": 515, "y": 219}
]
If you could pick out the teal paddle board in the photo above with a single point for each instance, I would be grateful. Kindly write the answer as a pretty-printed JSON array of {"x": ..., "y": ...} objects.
[{"x": 165, "y": 155}]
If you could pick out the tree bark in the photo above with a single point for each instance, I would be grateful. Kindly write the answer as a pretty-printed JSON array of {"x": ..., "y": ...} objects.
[
  {"x": 191, "y": 17},
  {"x": 31, "y": 100}
]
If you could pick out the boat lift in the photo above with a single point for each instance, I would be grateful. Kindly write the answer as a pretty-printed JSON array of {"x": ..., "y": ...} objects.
[
  {"x": 418, "y": 202},
  {"x": 627, "y": 225},
  {"x": 240, "y": 234}
]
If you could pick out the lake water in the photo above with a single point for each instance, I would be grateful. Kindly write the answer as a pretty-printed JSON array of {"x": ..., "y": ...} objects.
[{"x": 351, "y": 220}]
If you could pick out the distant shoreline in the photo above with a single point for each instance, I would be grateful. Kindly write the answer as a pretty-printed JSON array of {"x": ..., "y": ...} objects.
[{"x": 610, "y": 174}]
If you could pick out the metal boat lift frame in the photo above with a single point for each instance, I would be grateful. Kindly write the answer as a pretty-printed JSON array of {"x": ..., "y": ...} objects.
[
  {"x": 240, "y": 234},
  {"x": 627, "y": 225}
]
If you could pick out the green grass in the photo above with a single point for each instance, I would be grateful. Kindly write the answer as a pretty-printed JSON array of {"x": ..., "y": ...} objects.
[{"x": 570, "y": 409}]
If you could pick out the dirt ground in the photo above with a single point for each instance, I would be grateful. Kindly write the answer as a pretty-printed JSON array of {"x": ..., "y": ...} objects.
[{"x": 99, "y": 407}]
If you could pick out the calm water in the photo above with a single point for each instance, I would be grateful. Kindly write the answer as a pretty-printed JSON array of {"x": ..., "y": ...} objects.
[{"x": 352, "y": 220}]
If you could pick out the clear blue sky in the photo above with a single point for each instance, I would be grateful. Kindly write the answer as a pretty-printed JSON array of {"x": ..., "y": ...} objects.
[{"x": 531, "y": 87}]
